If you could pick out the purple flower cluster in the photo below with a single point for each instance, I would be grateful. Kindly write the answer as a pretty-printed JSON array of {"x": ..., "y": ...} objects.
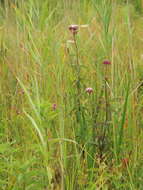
[
  {"x": 73, "y": 28},
  {"x": 54, "y": 107},
  {"x": 106, "y": 62},
  {"x": 89, "y": 90}
]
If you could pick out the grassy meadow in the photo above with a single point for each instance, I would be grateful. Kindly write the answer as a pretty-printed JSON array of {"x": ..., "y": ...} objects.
[{"x": 71, "y": 95}]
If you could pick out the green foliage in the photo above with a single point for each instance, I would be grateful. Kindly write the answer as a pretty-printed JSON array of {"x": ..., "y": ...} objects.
[{"x": 68, "y": 121}]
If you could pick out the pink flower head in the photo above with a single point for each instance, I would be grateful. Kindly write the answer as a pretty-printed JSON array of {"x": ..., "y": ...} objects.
[
  {"x": 106, "y": 62},
  {"x": 54, "y": 107},
  {"x": 89, "y": 90},
  {"x": 73, "y": 28}
]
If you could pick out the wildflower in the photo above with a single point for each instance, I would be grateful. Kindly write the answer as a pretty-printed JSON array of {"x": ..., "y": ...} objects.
[
  {"x": 54, "y": 107},
  {"x": 106, "y": 62},
  {"x": 73, "y": 28},
  {"x": 89, "y": 90}
]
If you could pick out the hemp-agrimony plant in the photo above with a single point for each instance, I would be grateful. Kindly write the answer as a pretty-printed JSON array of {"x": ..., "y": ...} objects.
[
  {"x": 74, "y": 30},
  {"x": 102, "y": 141},
  {"x": 78, "y": 108}
]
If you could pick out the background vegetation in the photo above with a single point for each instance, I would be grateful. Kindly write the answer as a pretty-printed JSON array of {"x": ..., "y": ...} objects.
[{"x": 56, "y": 134}]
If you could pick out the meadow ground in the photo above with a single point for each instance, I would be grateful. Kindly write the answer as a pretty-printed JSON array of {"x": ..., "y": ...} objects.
[{"x": 71, "y": 101}]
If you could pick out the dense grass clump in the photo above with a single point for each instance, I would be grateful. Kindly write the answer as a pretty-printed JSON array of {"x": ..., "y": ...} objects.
[{"x": 71, "y": 95}]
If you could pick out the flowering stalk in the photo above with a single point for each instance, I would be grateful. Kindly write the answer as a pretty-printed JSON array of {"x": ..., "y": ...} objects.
[
  {"x": 80, "y": 111},
  {"x": 102, "y": 138},
  {"x": 74, "y": 31},
  {"x": 95, "y": 114}
]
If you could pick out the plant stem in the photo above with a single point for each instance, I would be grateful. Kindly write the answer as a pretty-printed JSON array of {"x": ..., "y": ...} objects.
[{"x": 78, "y": 85}]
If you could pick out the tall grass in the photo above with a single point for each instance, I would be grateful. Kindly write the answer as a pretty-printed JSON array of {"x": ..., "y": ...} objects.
[{"x": 71, "y": 105}]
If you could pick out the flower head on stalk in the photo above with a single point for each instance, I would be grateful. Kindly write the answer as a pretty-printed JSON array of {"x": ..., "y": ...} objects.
[
  {"x": 107, "y": 62},
  {"x": 54, "y": 107},
  {"x": 74, "y": 29},
  {"x": 89, "y": 90}
]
